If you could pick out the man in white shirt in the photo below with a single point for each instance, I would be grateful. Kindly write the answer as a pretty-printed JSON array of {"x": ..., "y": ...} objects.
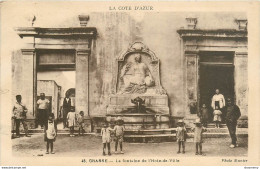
[
  {"x": 218, "y": 100},
  {"x": 43, "y": 106}
]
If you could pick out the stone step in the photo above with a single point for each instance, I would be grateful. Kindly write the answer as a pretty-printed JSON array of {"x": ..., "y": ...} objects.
[
  {"x": 136, "y": 114},
  {"x": 151, "y": 131},
  {"x": 212, "y": 125},
  {"x": 160, "y": 135},
  {"x": 150, "y": 136},
  {"x": 173, "y": 130},
  {"x": 190, "y": 135}
]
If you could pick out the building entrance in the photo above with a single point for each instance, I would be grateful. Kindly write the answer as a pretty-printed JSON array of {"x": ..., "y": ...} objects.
[
  {"x": 215, "y": 72},
  {"x": 56, "y": 77}
]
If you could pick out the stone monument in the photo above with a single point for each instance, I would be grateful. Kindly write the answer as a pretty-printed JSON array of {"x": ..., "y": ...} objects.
[{"x": 138, "y": 97}]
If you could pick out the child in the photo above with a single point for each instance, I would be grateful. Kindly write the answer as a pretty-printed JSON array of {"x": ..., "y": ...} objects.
[
  {"x": 217, "y": 117},
  {"x": 50, "y": 133},
  {"x": 80, "y": 120},
  {"x": 198, "y": 130},
  {"x": 71, "y": 117},
  {"x": 119, "y": 132},
  {"x": 106, "y": 138},
  {"x": 181, "y": 136},
  {"x": 204, "y": 115}
]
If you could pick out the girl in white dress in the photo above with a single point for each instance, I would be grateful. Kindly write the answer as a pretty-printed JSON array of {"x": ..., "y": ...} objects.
[
  {"x": 106, "y": 138},
  {"x": 217, "y": 117},
  {"x": 50, "y": 133},
  {"x": 71, "y": 117}
]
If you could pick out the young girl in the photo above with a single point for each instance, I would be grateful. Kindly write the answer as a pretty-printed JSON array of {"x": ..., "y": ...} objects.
[
  {"x": 198, "y": 130},
  {"x": 50, "y": 133},
  {"x": 106, "y": 138},
  {"x": 71, "y": 117},
  {"x": 181, "y": 136},
  {"x": 80, "y": 120},
  {"x": 217, "y": 117},
  {"x": 119, "y": 132}
]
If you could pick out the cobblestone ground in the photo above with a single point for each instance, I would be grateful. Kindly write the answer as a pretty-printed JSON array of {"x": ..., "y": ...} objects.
[{"x": 91, "y": 146}]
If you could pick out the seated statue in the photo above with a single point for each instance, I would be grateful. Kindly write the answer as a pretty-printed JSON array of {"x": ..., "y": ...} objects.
[{"x": 136, "y": 76}]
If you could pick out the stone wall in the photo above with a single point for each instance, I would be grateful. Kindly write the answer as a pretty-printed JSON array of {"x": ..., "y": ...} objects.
[{"x": 158, "y": 31}]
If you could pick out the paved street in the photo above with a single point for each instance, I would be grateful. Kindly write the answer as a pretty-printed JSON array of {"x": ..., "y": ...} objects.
[{"x": 91, "y": 146}]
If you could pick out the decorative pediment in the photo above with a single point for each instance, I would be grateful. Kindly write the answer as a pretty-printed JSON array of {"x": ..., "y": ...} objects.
[{"x": 138, "y": 47}]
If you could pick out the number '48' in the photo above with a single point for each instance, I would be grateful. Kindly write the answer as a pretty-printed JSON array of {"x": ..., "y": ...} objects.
[{"x": 83, "y": 161}]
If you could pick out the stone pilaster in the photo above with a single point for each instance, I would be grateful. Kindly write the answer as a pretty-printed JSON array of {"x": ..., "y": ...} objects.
[
  {"x": 82, "y": 85},
  {"x": 29, "y": 78},
  {"x": 191, "y": 82},
  {"x": 241, "y": 81}
]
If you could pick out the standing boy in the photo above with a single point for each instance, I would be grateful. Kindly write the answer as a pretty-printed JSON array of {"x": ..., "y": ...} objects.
[
  {"x": 106, "y": 138},
  {"x": 80, "y": 121},
  {"x": 119, "y": 131},
  {"x": 198, "y": 139},
  {"x": 181, "y": 136},
  {"x": 19, "y": 115}
]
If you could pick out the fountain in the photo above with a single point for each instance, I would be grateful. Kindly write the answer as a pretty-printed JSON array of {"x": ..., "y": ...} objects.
[{"x": 138, "y": 97}]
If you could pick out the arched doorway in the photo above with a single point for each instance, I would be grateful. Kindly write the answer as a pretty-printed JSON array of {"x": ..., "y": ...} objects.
[{"x": 71, "y": 93}]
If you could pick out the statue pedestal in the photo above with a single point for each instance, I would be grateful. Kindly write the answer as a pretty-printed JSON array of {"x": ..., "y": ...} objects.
[{"x": 156, "y": 116}]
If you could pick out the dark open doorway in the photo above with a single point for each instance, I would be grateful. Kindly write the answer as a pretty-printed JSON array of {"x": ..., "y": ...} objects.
[
  {"x": 214, "y": 77},
  {"x": 216, "y": 71}
]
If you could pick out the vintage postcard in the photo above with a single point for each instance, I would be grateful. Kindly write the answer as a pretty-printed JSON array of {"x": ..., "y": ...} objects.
[{"x": 130, "y": 83}]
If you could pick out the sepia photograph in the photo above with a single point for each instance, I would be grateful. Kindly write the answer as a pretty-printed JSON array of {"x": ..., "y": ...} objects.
[{"x": 127, "y": 81}]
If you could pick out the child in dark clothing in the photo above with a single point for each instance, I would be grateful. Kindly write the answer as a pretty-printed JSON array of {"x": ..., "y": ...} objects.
[
  {"x": 204, "y": 115},
  {"x": 119, "y": 132},
  {"x": 80, "y": 120}
]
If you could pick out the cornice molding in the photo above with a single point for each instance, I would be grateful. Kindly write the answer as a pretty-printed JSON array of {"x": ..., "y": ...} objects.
[
  {"x": 39, "y": 32},
  {"x": 82, "y": 51},
  {"x": 212, "y": 33},
  {"x": 28, "y": 51}
]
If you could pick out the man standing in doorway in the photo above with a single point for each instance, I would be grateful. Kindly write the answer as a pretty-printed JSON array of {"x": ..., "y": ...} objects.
[
  {"x": 43, "y": 106},
  {"x": 66, "y": 108},
  {"x": 19, "y": 114},
  {"x": 218, "y": 100},
  {"x": 232, "y": 115}
]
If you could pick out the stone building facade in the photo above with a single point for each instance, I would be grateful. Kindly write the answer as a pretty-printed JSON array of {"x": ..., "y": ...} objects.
[{"x": 197, "y": 54}]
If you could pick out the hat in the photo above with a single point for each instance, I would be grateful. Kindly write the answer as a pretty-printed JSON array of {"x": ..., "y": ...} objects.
[
  {"x": 120, "y": 121},
  {"x": 197, "y": 121},
  {"x": 180, "y": 121},
  {"x": 105, "y": 124},
  {"x": 81, "y": 112}
]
